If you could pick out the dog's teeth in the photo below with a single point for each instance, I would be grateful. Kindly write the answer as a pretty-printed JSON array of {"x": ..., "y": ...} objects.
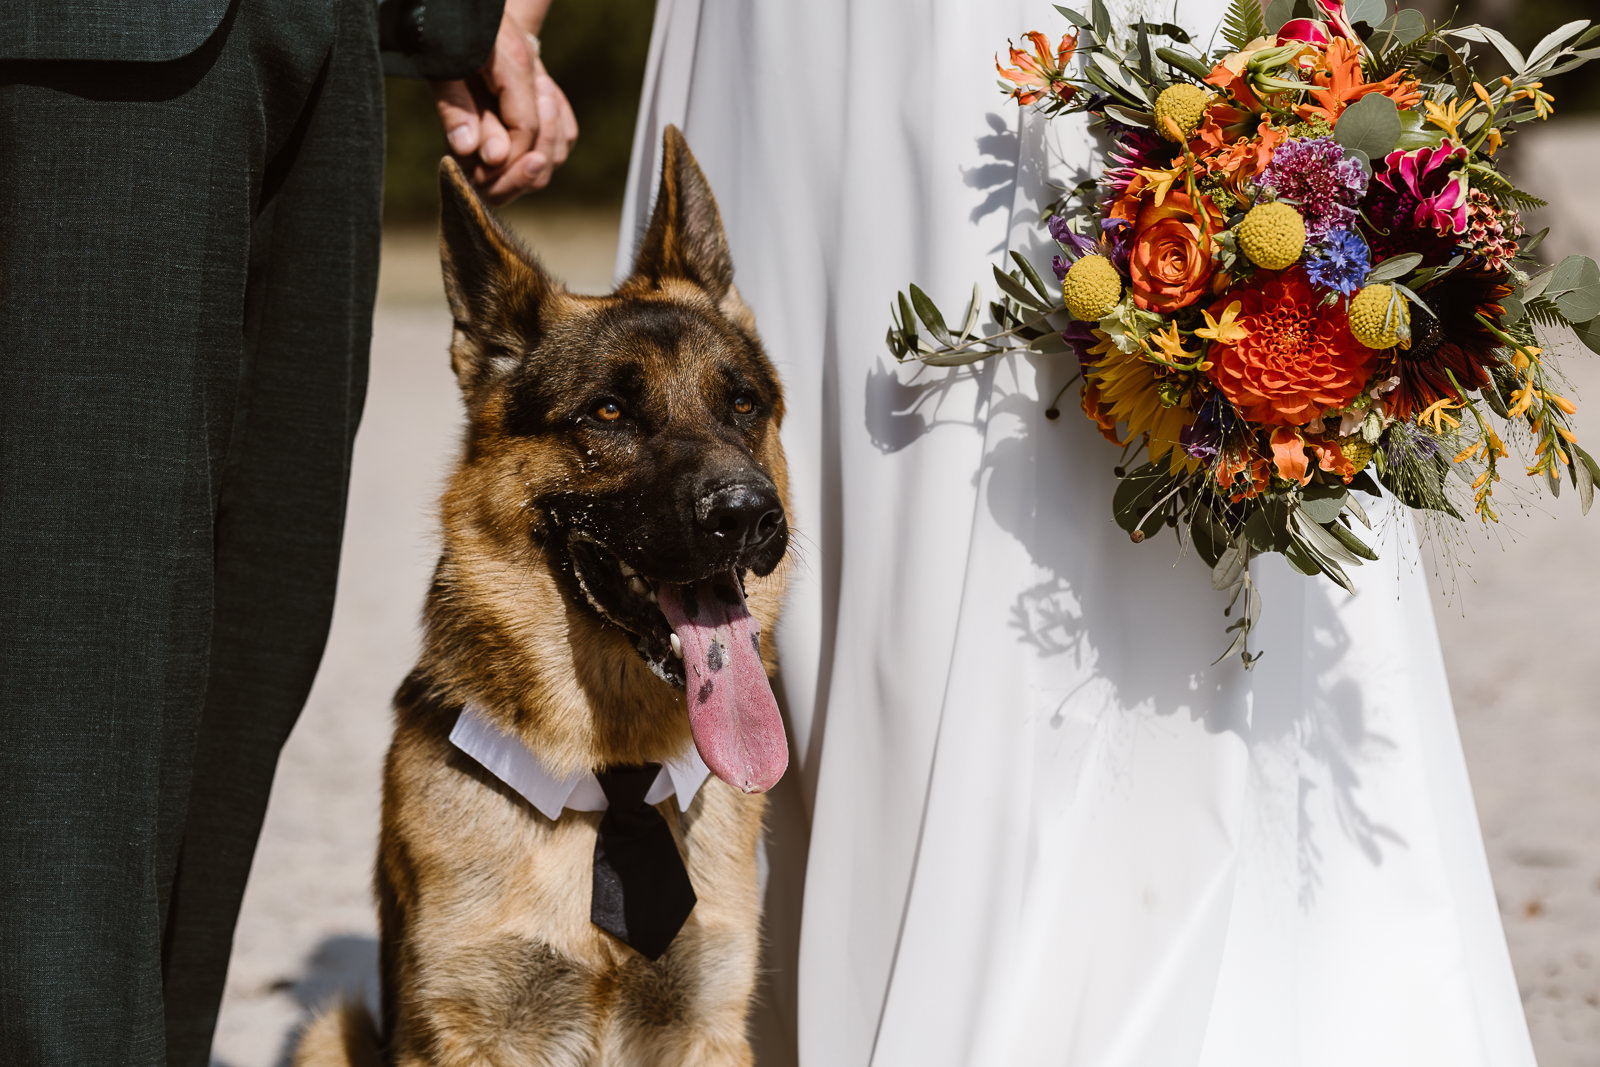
[
  {"x": 637, "y": 587},
  {"x": 627, "y": 571},
  {"x": 651, "y": 596},
  {"x": 677, "y": 646}
]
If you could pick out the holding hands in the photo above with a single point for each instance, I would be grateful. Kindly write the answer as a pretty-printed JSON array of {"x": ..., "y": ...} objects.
[{"x": 510, "y": 126}]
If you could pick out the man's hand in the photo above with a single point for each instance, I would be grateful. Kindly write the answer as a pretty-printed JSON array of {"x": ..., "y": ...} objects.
[{"x": 510, "y": 125}]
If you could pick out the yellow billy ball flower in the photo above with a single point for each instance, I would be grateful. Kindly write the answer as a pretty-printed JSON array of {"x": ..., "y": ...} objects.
[
  {"x": 1091, "y": 289},
  {"x": 1185, "y": 106},
  {"x": 1358, "y": 451},
  {"x": 1376, "y": 318},
  {"x": 1273, "y": 236}
]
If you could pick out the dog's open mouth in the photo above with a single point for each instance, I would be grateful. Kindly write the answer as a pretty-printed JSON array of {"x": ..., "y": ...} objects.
[{"x": 700, "y": 636}]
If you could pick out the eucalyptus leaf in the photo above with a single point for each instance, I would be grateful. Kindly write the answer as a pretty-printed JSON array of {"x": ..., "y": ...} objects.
[
  {"x": 1403, "y": 28},
  {"x": 1371, "y": 125},
  {"x": 956, "y": 359},
  {"x": 1049, "y": 343},
  {"x": 1395, "y": 266},
  {"x": 1324, "y": 542},
  {"x": 1322, "y": 504},
  {"x": 1183, "y": 61},
  {"x": 1576, "y": 285},
  {"x": 1354, "y": 507},
  {"x": 1372, "y": 12},
  {"x": 1032, "y": 275},
  {"x": 1136, "y": 493},
  {"x": 972, "y": 312},
  {"x": 1536, "y": 286},
  {"x": 1554, "y": 40},
  {"x": 1017, "y": 291},
  {"x": 1279, "y": 12},
  {"x": 1348, "y": 539},
  {"x": 1129, "y": 117},
  {"x": 1489, "y": 35},
  {"x": 1102, "y": 20},
  {"x": 1584, "y": 477},
  {"x": 1210, "y": 540},
  {"x": 1460, "y": 73},
  {"x": 1229, "y": 569},
  {"x": 1074, "y": 18},
  {"x": 1589, "y": 333},
  {"x": 929, "y": 314},
  {"x": 1302, "y": 558}
]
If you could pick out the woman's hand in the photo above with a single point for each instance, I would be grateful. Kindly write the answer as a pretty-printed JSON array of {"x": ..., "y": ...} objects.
[{"x": 510, "y": 125}]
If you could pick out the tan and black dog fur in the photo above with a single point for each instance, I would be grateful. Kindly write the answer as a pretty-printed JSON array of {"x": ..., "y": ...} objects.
[{"x": 590, "y": 421}]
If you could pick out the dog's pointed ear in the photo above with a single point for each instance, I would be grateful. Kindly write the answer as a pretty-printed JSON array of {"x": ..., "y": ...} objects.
[
  {"x": 685, "y": 239},
  {"x": 497, "y": 291}
]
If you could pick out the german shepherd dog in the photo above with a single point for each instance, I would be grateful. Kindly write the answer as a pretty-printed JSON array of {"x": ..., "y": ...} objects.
[{"x": 621, "y": 470}]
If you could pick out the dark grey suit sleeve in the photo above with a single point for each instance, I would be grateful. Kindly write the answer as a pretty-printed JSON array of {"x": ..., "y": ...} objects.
[
  {"x": 437, "y": 39},
  {"x": 141, "y": 31}
]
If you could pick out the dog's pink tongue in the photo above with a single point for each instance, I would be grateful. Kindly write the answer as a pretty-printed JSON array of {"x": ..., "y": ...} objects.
[{"x": 732, "y": 713}]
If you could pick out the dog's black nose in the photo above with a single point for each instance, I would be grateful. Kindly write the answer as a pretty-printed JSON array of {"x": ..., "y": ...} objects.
[{"x": 745, "y": 515}]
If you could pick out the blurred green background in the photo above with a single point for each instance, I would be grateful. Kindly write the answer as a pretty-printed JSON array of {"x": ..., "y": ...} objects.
[{"x": 595, "y": 50}]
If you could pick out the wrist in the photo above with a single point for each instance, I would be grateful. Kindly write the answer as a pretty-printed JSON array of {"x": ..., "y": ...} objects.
[{"x": 527, "y": 15}]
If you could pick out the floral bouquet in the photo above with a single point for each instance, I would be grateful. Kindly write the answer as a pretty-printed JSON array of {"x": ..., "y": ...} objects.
[{"x": 1301, "y": 275}]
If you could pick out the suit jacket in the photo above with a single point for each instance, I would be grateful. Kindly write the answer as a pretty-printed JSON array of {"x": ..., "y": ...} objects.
[{"x": 438, "y": 39}]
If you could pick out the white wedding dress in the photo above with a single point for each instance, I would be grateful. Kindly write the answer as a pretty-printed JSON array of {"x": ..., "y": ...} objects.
[{"x": 1032, "y": 826}]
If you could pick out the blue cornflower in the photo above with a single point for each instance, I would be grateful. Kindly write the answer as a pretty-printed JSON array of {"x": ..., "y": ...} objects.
[{"x": 1341, "y": 261}]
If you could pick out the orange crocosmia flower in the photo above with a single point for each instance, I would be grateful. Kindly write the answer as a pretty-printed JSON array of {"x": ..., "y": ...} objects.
[
  {"x": 1043, "y": 71},
  {"x": 1289, "y": 455},
  {"x": 1233, "y": 83},
  {"x": 1299, "y": 358},
  {"x": 1331, "y": 458},
  {"x": 1339, "y": 84},
  {"x": 1255, "y": 468},
  {"x": 1248, "y": 156}
]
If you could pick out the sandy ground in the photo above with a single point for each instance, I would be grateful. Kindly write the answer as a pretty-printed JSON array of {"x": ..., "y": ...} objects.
[{"x": 1519, "y": 625}]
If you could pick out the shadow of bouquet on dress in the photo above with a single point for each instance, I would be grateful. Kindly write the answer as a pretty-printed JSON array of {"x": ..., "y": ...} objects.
[{"x": 1135, "y": 623}]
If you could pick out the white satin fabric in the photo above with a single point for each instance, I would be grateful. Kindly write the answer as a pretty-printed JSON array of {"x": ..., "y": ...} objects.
[{"x": 1033, "y": 826}]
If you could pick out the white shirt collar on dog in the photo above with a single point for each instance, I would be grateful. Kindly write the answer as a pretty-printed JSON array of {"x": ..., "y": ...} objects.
[{"x": 511, "y": 761}]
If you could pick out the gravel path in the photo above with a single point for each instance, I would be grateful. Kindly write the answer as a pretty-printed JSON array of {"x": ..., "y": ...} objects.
[{"x": 1520, "y": 626}]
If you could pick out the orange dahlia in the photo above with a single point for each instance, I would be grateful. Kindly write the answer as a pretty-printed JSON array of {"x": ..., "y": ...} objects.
[{"x": 1298, "y": 359}]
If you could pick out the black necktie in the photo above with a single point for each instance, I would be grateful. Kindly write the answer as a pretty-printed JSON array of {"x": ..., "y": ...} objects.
[{"x": 642, "y": 894}]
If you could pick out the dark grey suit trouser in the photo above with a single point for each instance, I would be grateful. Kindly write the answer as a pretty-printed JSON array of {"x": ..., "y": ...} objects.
[{"x": 188, "y": 257}]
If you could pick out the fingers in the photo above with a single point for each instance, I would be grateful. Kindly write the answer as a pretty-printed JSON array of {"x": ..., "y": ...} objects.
[
  {"x": 510, "y": 76},
  {"x": 458, "y": 113}
]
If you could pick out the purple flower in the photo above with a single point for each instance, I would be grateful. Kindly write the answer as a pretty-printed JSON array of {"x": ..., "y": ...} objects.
[
  {"x": 1131, "y": 149},
  {"x": 1340, "y": 260},
  {"x": 1120, "y": 233},
  {"x": 1075, "y": 245},
  {"x": 1080, "y": 335},
  {"x": 1317, "y": 174},
  {"x": 1202, "y": 438}
]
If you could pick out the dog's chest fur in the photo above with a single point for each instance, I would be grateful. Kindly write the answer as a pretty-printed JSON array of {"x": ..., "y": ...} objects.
[{"x": 499, "y": 962}]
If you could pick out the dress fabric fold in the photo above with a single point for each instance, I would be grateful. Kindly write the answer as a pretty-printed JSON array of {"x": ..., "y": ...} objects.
[{"x": 1033, "y": 824}]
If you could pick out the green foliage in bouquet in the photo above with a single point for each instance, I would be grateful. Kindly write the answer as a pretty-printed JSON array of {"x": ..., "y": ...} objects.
[{"x": 1300, "y": 277}]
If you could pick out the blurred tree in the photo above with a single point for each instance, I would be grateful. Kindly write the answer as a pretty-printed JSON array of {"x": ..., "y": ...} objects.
[{"x": 596, "y": 53}]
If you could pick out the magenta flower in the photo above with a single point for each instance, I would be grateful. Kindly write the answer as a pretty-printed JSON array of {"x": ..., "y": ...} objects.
[
  {"x": 1434, "y": 180},
  {"x": 1304, "y": 30},
  {"x": 1333, "y": 11}
]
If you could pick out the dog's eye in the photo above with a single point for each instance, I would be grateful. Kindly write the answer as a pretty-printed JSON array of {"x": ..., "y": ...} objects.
[
  {"x": 608, "y": 411},
  {"x": 743, "y": 405}
]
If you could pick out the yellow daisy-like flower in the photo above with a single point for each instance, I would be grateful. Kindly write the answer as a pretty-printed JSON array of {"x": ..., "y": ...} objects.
[
  {"x": 1448, "y": 116},
  {"x": 1226, "y": 330},
  {"x": 1127, "y": 385},
  {"x": 1169, "y": 345},
  {"x": 1161, "y": 181}
]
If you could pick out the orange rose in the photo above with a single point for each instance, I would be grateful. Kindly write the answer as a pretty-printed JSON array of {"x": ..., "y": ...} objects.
[{"x": 1170, "y": 261}]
